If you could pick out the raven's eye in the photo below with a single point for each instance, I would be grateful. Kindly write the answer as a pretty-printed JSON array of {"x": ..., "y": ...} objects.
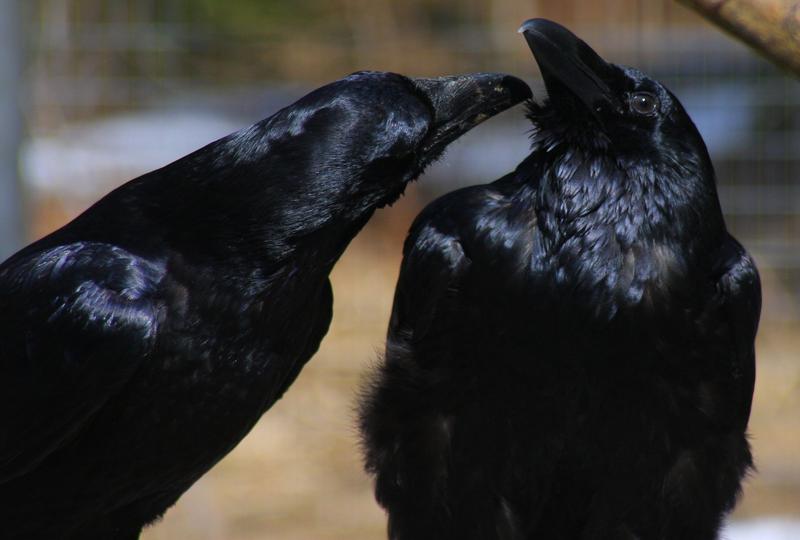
[{"x": 644, "y": 103}]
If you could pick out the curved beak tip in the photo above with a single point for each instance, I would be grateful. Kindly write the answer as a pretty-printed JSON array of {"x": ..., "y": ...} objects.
[
  {"x": 524, "y": 27},
  {"x": 564, "y": 59},
  {"x": 517, "y": 88},
  {"x": 464, "y": 101},
  {"x": 536, "y": 24}
]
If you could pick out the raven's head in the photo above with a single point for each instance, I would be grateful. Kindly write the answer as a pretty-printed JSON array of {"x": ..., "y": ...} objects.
[
  {"x": 593, "y": 104},
  {"x": 618, "y": 143},
  {"x": 361, "y": 139},
  {"x": 319, "y": 167},
  {"x": 408, "y": 122}
]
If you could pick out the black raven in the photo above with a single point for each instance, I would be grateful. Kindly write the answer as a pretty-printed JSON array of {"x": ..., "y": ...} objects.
[
  {"x": 570, "y": 353},
  {"x": 143, "y": 340}
]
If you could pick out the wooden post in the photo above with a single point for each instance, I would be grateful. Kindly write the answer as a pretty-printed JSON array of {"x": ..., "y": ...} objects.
[{"x": 772, "y": 27}]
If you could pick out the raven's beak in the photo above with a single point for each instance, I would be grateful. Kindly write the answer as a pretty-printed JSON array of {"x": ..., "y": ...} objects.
[
  {"x": 568, "y": 62},
  {"x": 464, "y": 101}
]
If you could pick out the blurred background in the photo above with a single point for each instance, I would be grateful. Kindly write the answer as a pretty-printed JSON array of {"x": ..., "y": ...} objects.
[{"x": 96, "y": 92}]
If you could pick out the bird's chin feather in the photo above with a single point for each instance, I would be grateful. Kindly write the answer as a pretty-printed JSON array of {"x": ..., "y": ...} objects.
[{"x": 551, "y": 130}]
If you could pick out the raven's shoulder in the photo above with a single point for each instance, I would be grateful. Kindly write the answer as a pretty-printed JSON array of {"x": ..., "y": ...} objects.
[
  {"x": 77, "y": 321},
  {"x": 733, "y": 314},
  {"x": 93, "y": 285},
  {"x": 456, "y": 242},
  {"x": 466, "y": 213},
  {"x": 495, "y": 225},
  {"x": 434, "y": 263},
  {"x": 446, "y": 229},
  {"x": 738, "y": 285},
  {"x": 738, "y": 288}
]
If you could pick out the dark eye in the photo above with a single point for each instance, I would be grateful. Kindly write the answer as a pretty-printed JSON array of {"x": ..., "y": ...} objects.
[{"x": 643, "y": 103}]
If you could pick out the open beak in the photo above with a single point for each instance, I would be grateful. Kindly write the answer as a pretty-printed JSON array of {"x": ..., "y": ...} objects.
[
  {"x": 567, "y": 62},
  {"x": 464, "y": 101}
]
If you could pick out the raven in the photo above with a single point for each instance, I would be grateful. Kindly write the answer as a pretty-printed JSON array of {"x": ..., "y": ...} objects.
[
  {"x": 144, "y": 339},
  {"x": 570, "y": 352}
]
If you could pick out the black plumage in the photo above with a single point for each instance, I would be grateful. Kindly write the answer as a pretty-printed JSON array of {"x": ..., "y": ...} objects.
[
  {"x": 144, "y": 339},
  {"x": 570, "y": 353}
]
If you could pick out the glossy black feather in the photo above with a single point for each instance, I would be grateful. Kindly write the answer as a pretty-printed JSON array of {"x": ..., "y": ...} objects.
[
  {"x": 145, "y": 338},
  {"x": 570, "y": 353}
]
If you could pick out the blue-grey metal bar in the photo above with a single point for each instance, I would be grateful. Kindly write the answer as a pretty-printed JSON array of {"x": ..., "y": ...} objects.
[{"x": 12, "y": 229}]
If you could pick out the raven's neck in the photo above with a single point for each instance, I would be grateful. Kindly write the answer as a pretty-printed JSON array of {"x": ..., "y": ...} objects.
[
  {"x": 247, "y": 219},
  {"x": 630, "y": 232},
  {"x": 584, "y": 194}
]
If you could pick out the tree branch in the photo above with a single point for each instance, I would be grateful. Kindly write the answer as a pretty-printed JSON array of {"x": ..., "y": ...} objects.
[{"x": 772, "y": 27}]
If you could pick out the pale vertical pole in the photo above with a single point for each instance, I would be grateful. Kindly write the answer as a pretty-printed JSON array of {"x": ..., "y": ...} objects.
[{"x": 12, "y": 212}]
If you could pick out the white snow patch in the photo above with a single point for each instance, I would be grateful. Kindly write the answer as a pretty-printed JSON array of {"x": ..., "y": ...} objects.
[{"x": 773, "y": 528}]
